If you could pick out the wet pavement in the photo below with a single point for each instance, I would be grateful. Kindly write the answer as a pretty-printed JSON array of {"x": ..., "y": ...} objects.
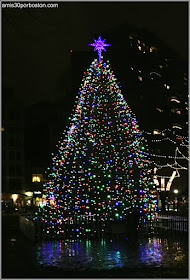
[{"x": 141, "y": 258}]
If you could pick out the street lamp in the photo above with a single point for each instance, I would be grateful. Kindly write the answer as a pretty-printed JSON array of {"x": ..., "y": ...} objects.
[
  {"x": 14, "y": 196},
  {"x": 176, "y": 200}
]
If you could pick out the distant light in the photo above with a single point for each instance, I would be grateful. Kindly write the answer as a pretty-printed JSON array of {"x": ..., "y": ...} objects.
[
  {"x": 15, "y": 196},
  {"x": 175, "y": 191},
  {"x": 176, "y": 126},
  {"x": 160, "y": 110},
  {"x": 28, "y": 193},
  {"x": 176, "y": 100},
  {"x": 28, "y": 202},
  {"x": 37, "y": 192},
  {"x": 2, "y": 129},
  {"x": 35, "y": 178},
  {"x": 165, "y": 85},
  {"x": 153, "y": 48},
  {"x": 156, "y": 132},
  {"x": 71, "y": 50}
]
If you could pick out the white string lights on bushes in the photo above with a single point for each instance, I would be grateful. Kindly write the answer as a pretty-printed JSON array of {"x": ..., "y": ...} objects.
[{"x": 160, "y": 180}]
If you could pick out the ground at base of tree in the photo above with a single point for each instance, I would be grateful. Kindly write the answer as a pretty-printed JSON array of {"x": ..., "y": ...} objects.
[{"x": 135, "y": 272}]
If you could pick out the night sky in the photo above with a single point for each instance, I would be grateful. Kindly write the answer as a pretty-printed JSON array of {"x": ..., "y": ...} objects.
[{"x": 37, "y": 42}]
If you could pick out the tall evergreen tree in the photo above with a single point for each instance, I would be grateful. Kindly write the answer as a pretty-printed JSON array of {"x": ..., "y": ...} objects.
[{"x": 100, "y": 168}]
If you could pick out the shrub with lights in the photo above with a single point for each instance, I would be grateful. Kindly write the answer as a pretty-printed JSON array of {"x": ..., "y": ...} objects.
[{"x": 100, "y": 170}]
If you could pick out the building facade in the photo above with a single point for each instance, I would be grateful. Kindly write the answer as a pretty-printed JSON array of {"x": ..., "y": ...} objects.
[{"x": 13, "y": 162}]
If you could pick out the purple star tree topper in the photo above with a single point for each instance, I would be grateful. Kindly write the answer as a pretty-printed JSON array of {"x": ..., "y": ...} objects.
[{"x": 99, "y": 46}]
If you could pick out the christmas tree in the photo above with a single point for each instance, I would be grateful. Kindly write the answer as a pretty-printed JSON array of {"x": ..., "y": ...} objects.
[{"x": 100, "y": 169}]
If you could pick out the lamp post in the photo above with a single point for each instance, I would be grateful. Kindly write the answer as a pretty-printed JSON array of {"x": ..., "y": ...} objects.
[{"x": 176, "y": 200}]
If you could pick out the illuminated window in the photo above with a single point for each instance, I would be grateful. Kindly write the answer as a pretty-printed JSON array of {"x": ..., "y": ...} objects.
[
  {"x": 166, "y": 86},
  {"x": 186, "y": 108},
  {"x": 153, "y": 49},
  {"x": 177, "y": 126},
  {"x": 160, "y": 110},
  {"x": 2, "y": 129},
  {"x": 161, "y": 66},
  {"x": 175, "y": 99},
  {"x": 151, "y": 73},
  {"x": 140, "y": 78},
  {"x": 37, "y": 178},
  {"x": 29, "y": 193},
  {"x": 176, "y": 110},
  {"x": 156, "y": 132},
  {"x": 139, "y": 41},
  {"x": 139, "y": 47}
]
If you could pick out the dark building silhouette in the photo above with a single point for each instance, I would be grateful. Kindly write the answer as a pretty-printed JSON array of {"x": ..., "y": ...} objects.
[
  {"x": 13, "y": 167},
  {"x": 44, "y": 125},
  {"x": 153, "y": 78}
]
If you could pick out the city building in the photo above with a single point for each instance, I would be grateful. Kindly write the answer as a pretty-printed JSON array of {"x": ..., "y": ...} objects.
[{"x": 13, "y": 164}]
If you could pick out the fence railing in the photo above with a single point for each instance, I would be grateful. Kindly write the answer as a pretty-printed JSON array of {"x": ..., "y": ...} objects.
[
  {"x": 89, "y": 228},
  {"x": 166, "y": 224}
]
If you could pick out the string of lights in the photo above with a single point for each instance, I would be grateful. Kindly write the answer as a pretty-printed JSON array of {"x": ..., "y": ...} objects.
[
  {"x": 100, "y": 168},
  {"x": 166, "y": 156}
]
